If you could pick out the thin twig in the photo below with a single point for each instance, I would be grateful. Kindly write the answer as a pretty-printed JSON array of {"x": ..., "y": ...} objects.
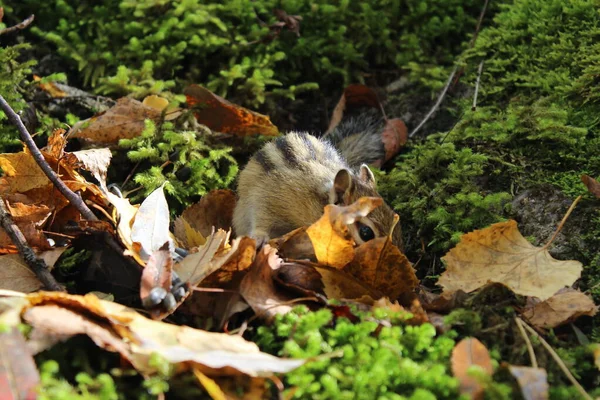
[
  {"x": 37, "y": 265},
  {"x": 73, "y": 198},
  {"x": 562, "y": 223},
  {"x": 559, "y": 361},
  {"x": 479, "y": 71},
  {"x": 18, "y": 26},
  {"x": 474, "y": 38},
  {"x": 437, "y": 103},
  {"x": 534, "y": 363}
]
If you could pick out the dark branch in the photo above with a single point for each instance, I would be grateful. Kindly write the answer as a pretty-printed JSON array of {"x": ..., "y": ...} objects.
[
  {"x": 73, "y": 198},
  {"x": 37, "y": 265}
]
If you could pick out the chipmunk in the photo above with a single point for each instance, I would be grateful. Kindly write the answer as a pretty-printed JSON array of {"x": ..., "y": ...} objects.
[{"x": 290, "y": 180}]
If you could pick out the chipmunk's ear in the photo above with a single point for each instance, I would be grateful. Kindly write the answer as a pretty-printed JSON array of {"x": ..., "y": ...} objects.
[
  {"x": 366, "y": 175},
  {"x": 342, "y": 186}
]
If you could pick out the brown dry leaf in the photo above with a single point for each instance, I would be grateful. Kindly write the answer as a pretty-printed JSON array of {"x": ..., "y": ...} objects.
[
  {"x": 303, "y": 280},
  {"x": 340, "y": 285},
  {"x": 215, "y": 209},
  {"x": 564, "y": 307},
  {"x": 15, "y": 274},
  {"x": 222, "y": 116},
  {"x": 501, "y": 254},
  {"x": 56, "y": 144},
  {"x": 186, "y": 235},
  {"x": 467, "y": 353},
  {"x": 36, "y": 214},
  {"x": 381, "y": 265},
  {"x": 592, "y": 185},
  {"x": 239, "y": 259},
  {"x": 532, "y": 381},
  {"x": 206, "y": 260},
  {"x": 258, "y": 287},
  {"x": 19, "y": 377},
  {"x": 353, "y": 96},
  {"x": 330, "y": 237},
  {"x": 125, "y": 120},
  {"x": 443, "y": 302},
  {"x": 21, "y": 173},
  {"x": 33, "y": 235}
]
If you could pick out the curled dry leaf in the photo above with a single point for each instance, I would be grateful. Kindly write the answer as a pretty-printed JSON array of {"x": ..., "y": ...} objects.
[
  {"x": 117, "y": 328},
  {"x": 381, "y": 265},
  {"x": 501, "y": 254},
  {"x": 467, "y": 353},
  {"x": 197, "y": 266},
  {"x": 125, "y": 120},
  {"x": 394, "y": 137},
  {"x": 258, "y": 287},
  {"x": 222, "y": 116},
  {"x": 157, "y": 274},
  {"x": 532, "y": 381},
  {"x": 564, "y": 307}
]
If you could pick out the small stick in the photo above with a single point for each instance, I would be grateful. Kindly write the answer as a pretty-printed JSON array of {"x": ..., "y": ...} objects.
[
  {"x": 479, "y": 71},
  {"x": 559, "y": 361},
  {"x": 18, "y": 26},
  {"x": 37, "y": 265},
  {"x": 562, "y": 223},
  {"x": 534, "y": 363},
  {"x": 437, "y": 103},
  {"x": 73, "y": 198}
]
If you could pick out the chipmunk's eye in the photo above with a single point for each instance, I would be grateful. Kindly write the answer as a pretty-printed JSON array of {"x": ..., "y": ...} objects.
[{"x": 365, "y": 232}]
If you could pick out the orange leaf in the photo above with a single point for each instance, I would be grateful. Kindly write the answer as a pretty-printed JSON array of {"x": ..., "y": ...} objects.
[
  {"x": 222, "y": 116},
  {"x": 467, "y": 353}
]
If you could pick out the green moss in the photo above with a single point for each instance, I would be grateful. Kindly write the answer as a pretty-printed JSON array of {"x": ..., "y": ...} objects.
[
  {"x": 187, "y": 162},
  {"x": 434, "y": 187},
  {"x": 228, "y": 46},
  {"x": 384, "y": 362}
]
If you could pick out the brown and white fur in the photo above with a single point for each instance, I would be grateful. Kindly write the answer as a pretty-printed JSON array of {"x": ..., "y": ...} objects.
[{"x": 289, "y": 181}]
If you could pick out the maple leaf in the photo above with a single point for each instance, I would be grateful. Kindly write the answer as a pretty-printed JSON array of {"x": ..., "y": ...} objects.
[{"x": 501, "y": 254}]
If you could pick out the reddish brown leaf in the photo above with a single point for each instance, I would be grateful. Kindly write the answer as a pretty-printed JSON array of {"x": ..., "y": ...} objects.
[
  {"x": 353, "y": 96},
  {"x": 258, "y": 287},
  {"x": 222, "y": 116},
  {"x": 19, "y": 376},
  {"x": 592, "y": 185},
  {"x": 467, "y": 353},
  {"x": 394, "y": 137}
]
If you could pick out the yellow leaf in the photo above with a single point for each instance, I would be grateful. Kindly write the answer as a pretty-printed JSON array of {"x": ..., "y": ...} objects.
[
  {"x": 211, "y": 387},
  {"x": 501, "y": 254}
]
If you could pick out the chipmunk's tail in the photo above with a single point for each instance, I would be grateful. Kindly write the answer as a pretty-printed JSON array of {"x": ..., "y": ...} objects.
[{"x": 358, "y": 139}]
